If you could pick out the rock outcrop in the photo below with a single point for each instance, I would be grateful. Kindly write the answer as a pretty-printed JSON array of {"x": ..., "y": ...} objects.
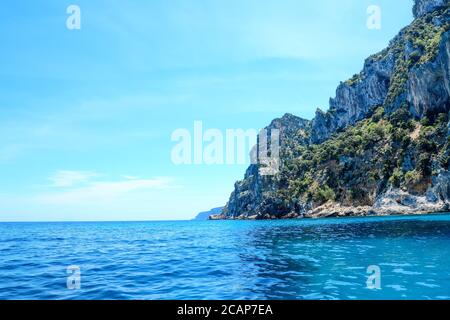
[
  {"x": 408, "y": 69},
  {"x": 254, "y": 189},
  {"x": 356, "y": 98},
  {"x": 423, "y": 7},
  {"x": 383, "y": 147},
  {"x": 202, "y": 216},
  {"x": 428, "y": 86}
]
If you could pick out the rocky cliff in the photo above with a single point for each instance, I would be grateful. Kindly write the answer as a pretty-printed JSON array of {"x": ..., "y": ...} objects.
[
  {"x": 422, "y": 7},
  {"x": 381, "y": 148}
]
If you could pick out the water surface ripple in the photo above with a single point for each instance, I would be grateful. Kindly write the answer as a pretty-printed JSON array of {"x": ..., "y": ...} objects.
[{"x": 296, "y": 259}]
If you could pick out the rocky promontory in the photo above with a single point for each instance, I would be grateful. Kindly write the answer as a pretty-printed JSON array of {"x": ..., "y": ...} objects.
[{"x": 383, "y": 146}]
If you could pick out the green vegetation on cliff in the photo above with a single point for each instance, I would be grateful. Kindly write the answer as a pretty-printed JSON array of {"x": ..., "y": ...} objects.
[
  {"x": 351, "y": 166},
  {"x": 415, "y": 45},
  {"x": 385, "y": 138}
]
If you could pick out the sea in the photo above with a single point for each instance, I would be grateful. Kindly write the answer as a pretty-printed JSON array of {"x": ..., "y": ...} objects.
[{"x": 397, "y": 257}]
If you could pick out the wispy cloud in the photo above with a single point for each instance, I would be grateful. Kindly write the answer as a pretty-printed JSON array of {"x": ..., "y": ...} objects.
[
  {"x": 66, "y": 178},
  {"x": 97, "y": 191}
]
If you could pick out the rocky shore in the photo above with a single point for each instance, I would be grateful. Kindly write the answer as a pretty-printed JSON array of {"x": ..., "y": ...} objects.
[{"x": 382, "y": 148}]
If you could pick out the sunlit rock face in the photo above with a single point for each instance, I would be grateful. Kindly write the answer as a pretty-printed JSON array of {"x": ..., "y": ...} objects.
[
  {"x": 425, "y": 76},
  {"x": 422, "y": 7},
  {"x": 355, "y": 98},
  {"x": 428, "y": 86},
  {"x": 382, "y": 147}
]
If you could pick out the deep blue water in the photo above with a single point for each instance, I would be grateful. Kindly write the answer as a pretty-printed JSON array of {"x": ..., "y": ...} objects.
[{"x": 301, "y": 259}]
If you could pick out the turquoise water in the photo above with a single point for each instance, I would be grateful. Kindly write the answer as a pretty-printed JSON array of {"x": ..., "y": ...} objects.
[{"x": 301, "y": 259}]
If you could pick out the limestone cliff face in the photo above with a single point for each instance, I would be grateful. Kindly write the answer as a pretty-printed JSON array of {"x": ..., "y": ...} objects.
[
  {"x": 382, "y": 147},
  {"x": 409, "y": 69},
  {"x": 428, "y": 86},
  {"x": 422, "y": 7},
  {"x": 253, "y": 193},
  {"x": 356, "y": 98}
]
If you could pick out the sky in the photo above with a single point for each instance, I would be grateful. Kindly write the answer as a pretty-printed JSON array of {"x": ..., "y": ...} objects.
[{"x": 87, "y": 115}]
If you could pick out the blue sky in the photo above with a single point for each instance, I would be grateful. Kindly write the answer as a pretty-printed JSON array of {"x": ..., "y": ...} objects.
[{"x": 86, "y": 116}]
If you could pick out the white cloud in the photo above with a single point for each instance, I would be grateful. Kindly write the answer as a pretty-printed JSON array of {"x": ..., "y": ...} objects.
[
  {"x": 66, "y": 178},
  {"x": 102, "y": 191}
]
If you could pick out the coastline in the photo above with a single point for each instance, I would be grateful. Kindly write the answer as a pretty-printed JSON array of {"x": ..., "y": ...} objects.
[
  {"x": 383, "y": 146},
  {"x": 330, "y": 216},
  {"x": 335, "y": 210}
]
